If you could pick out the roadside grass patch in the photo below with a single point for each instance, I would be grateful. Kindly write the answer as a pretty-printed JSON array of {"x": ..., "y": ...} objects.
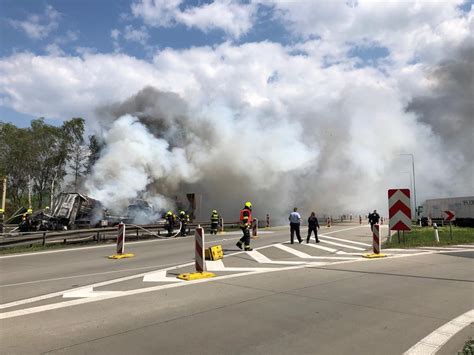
[{"x": 424, "y": 236}]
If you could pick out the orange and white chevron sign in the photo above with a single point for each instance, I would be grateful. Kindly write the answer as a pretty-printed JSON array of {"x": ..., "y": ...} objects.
[{"x": 399, "y": 209}]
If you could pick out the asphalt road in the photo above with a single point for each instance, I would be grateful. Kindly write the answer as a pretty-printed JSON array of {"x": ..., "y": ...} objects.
[{"x": 279, "y": 299}]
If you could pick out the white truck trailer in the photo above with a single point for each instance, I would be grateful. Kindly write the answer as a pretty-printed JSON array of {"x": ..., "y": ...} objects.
[{"x": 463, "y": 208}]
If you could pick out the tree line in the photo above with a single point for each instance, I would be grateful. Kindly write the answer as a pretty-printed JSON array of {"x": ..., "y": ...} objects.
[{"x": 38, "y": 158}]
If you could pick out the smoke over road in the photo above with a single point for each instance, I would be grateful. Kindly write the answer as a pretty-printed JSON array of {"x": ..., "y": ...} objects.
[{"x": 331, "y": 152}]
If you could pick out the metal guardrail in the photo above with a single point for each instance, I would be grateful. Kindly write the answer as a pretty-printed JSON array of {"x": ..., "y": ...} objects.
[{"x": 93, "y": 234}]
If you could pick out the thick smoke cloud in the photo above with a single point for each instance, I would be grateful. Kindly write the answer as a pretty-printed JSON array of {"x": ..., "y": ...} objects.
[
  {"x": 449, "y": 110},
  {"x": 157, "y": 148}
]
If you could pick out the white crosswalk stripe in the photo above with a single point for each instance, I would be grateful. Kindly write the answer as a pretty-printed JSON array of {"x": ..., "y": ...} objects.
[
  {"x": 320, "y": 247},
  {"x": 346, "y": 240},
  {"x": 302, "y": 255},
  {"x": 340, "y": 244},
  {"x": 260, "y": 258}
]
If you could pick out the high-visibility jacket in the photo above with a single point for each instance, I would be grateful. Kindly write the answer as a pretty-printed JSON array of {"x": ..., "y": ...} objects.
[
  {"x": 215, "y": 218},
  {"x": 245, "y": 217}
]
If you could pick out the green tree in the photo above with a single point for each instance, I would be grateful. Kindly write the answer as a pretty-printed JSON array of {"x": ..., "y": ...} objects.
[
  {"x": 15, "y": 163},
  {"x": 94, "y": 152},
  {"x": 51, "y": 148}
]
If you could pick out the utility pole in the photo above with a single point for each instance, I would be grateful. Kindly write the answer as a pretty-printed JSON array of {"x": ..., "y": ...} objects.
[
  {"x": 414, "y": 181},
  {"x": 4, "y": 198}
]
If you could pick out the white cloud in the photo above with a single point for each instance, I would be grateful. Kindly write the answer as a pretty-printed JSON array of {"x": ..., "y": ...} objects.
[
  {"x": 39, "y": 26},
  {"x": 406, "y": 28},
  {"x": 139, "y": 35},
  {"x": 288, "y": 123},
  {"x": 234, "y": 18}
]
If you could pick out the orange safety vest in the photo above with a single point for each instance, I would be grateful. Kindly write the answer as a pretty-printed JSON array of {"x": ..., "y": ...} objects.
[{"x": 245, "y": 214}]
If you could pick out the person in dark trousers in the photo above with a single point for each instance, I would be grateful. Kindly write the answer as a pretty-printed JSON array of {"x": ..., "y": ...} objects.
[
  {"x": 245, "y": 225},
  {"x": 374, "y": 218},
  {"x": 169, "y": 222},
  {"x": 184, "y": 219},
  {"x": 295, "y": 220},
  {"x": 214, "y": 221},
  {"x": 313, "y": 226}
]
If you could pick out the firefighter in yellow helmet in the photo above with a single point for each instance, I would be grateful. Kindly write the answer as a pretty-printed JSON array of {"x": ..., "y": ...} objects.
[
  {"x": 169, "y": 217},
  {"x": 245, "y": 225},
  {"x": 214, "y": 221},
  {"x": 184, "y": 219}
]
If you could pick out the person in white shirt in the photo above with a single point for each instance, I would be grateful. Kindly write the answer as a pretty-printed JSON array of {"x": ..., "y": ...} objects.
[{"x": 295, "y": 220}]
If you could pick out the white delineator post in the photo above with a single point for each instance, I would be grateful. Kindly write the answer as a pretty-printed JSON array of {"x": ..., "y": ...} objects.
[
  {"x": 255, "y": 227},
  {"x": 121, "y": 238},
  {"x": 376, "y": 239},
  {"x": 435, "y": 227},
  {"x": 199, "y": 249}
]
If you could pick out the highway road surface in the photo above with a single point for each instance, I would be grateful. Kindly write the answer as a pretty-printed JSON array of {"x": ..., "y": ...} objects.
[{"x": 278, "y": 299}]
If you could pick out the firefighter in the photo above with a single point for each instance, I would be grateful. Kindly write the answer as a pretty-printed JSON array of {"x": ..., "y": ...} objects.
[
  {"x": 169, "y": 222},
  {"x": 25, "y": 223},
  {"x": 184, "y": 219},
  {"x": 245, "y": 225},
  {"x": 214, "y": 221}
]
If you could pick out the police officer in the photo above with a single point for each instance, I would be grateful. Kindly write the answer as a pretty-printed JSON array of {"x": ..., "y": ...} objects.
[
  {"x": 374, "y": 218},
  {"x": 245, "y": 225},
  {"x": 184, "y": 219},
  {"x": 214, "y": 221}
]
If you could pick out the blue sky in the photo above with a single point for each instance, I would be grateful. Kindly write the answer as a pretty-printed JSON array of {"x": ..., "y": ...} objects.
[{"x": 312, "y": 84}]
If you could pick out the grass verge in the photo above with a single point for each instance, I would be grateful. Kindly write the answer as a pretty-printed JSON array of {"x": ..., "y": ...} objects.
[{"x": 424, "y": 236}]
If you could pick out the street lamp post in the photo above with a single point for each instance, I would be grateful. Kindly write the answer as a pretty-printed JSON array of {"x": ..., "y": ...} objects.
[{"x": 414, "y": 181}]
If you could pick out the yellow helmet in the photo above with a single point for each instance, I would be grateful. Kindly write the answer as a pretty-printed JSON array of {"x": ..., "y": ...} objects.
[
  {"x": 169, "y": 213},
  {"x": 214, "y": 211},
  {"x": 248, "y": 204}
]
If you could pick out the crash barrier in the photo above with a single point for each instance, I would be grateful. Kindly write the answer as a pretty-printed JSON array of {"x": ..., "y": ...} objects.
[
  {"x": 121, "y": 243},
  {"x": 102, "y": 234},
  {"x": 214, "y": 253},
  {"x": 255, "y": 228}
]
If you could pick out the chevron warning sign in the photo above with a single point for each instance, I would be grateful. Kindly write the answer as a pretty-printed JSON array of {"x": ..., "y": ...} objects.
[{"x": 399, "y": 210}]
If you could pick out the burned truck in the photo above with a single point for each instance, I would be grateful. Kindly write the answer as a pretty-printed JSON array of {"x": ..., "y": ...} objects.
[{"x": 73, "y": 210}]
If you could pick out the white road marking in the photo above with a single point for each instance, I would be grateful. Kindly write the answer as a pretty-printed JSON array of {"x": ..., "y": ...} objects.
[
  {"x": 300, "y": 254},
  {"x": 440, "y": 248},
  {"x": 160, "y": 276},
  {"x": 331, "y": 250},
  {"x": 58, "y": 305},
  {"x": 218, "y": 265},
  {"x": 339, "y": 244},
  {"x": 60, "y": 293},
  {"x": 347, "y": 241},
  {"x": 89, "y": 292},
  {"x": 262, "y": 259},
  {"x": 86, "y": 275},
  {"x": 433, "y": 342}
]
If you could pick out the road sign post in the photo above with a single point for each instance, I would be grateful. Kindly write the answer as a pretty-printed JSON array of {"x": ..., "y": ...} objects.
[
  {"x": 450, "y": 216},
  {"x": 399, "y": 211}
]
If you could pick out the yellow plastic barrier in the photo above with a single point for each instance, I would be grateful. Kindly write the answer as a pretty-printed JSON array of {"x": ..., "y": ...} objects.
[{"x": 214, "y": 253}]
